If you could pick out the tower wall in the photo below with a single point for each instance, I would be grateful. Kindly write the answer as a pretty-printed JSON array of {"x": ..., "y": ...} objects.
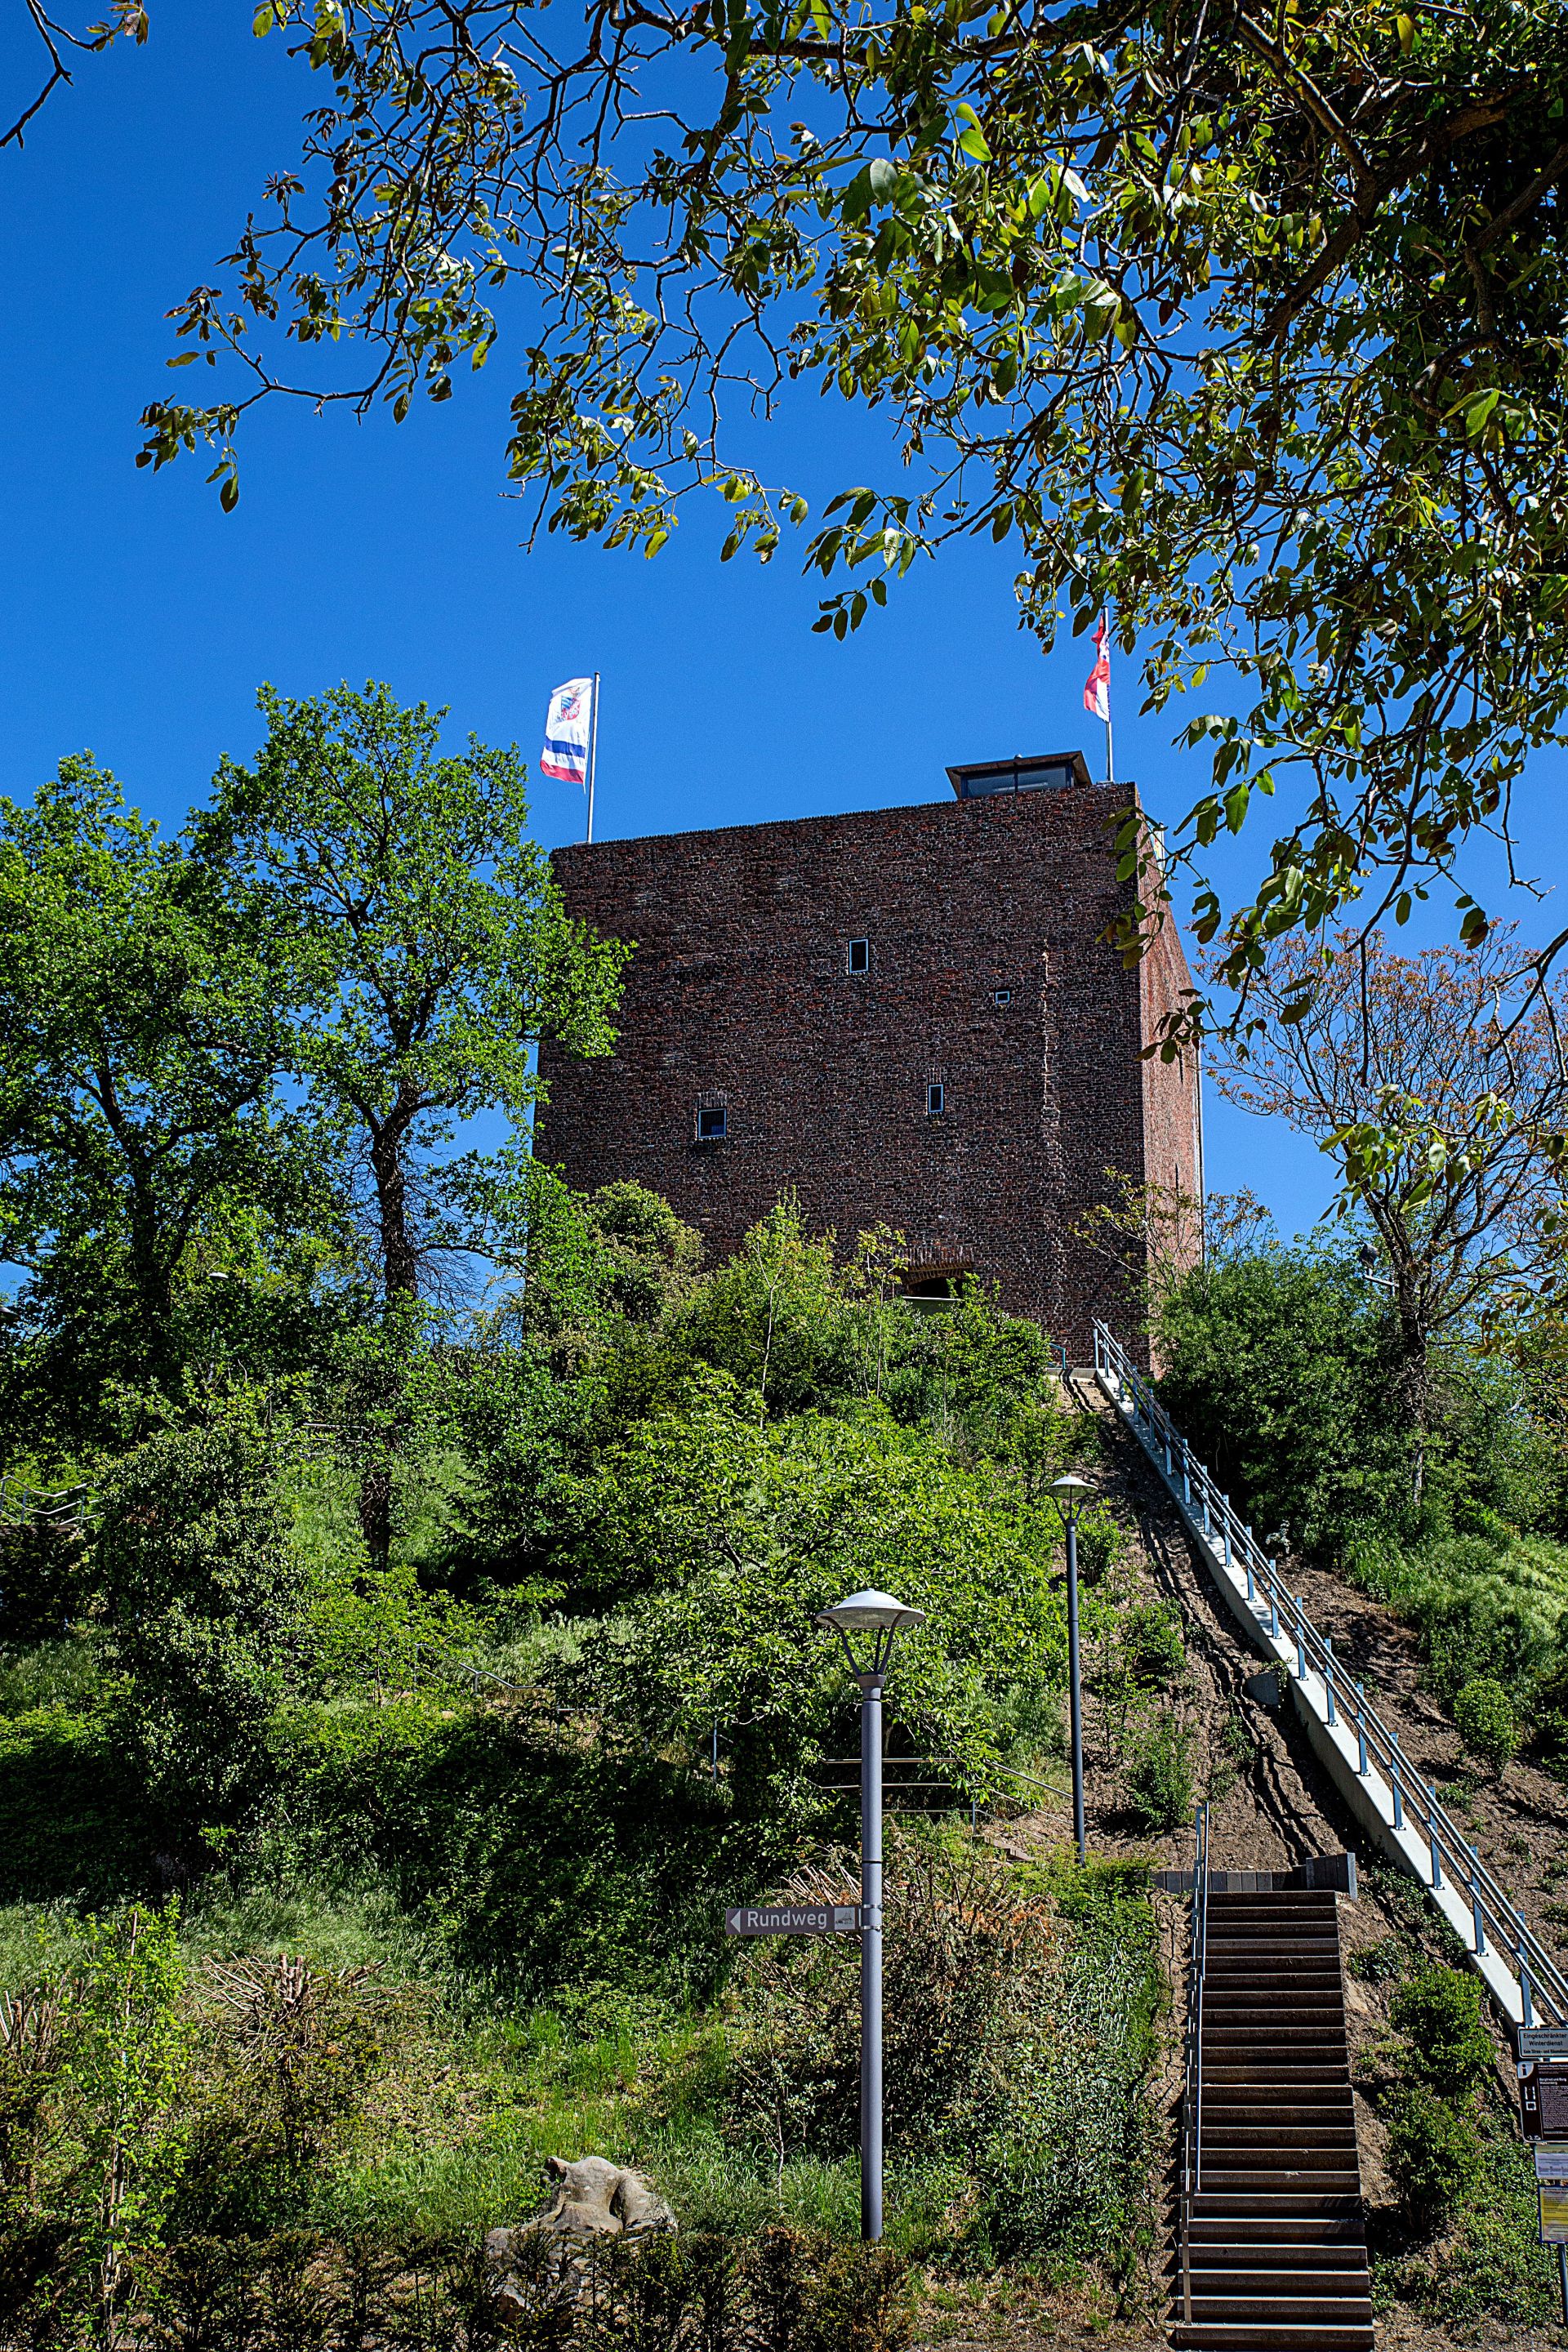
[{"x": 988, "y": 974}]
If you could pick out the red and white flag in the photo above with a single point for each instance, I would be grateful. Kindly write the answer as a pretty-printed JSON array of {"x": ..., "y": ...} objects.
[{"x": 1096, "y": 685}]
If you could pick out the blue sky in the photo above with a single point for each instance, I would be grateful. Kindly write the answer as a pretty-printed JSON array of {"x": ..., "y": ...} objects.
[{"x": 138, "y": 620}]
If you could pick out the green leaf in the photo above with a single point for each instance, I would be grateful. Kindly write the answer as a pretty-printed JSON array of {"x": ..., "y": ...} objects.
[{"x": 971, "y": 142}]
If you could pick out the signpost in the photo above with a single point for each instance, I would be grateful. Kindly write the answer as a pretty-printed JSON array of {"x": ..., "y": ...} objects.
[{"x": 795, "y": 1919}]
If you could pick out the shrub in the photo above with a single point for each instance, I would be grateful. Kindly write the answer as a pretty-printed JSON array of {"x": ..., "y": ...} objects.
[
  {"x": 1151, "y": 1641},
  {"x": 291, "y": 2052},
  {"x": 1275, "y": 1373},
  {"x": 969, "y": 1967},
  {"x": 1434, "y": 2154},
  {"x": 1447, "y": 2049},
  {"x": 1066, "y": 2173},
  {"x": 1101, "y": 1545},
  {"x": 1486, "y": 1722},
  {"x": 1159, "y": 1774},
  {"x": 205, "y": 1599}
]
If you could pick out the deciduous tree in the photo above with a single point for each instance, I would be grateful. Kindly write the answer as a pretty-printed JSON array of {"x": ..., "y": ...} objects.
[
  {"x": 1437, "y": 1085},
  {"x": 433, "y": 945},
  {"x": 141, "y": 1039}
]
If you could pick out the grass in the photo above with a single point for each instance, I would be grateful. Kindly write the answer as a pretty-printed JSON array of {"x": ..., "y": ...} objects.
[{"x": 65, "y": 1673}]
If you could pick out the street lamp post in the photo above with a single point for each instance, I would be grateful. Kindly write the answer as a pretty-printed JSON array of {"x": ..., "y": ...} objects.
[
  {"x": 867, "y": 1624},
  {"x": 1068, "y": 1494}
]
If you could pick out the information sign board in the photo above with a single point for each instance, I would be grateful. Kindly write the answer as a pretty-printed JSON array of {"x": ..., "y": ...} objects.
[
  {"x": 1553, "y": 2195},
  {"x": 794, "y": 1919},
  {"x": 1543, "y": 2042},
  {"x": 1543, "y": 2102}
]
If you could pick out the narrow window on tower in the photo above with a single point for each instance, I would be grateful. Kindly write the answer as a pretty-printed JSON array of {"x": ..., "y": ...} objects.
[
  {"x": 712, "y": 1125},
  {"x": 936, "y": 1098},
  {"x": 860, "y": 955}
]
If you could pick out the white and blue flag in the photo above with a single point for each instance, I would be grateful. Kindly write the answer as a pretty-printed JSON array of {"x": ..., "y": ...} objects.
[{"x": 566, "y": 732}]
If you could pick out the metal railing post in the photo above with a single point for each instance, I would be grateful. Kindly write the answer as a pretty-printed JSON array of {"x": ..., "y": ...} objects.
[
  {"x": 1476, "y": 1914},
  {"x": 1395, "y": 1761},
  {"x": 1527, "y": 2015},
  {"x": 1300, "y": 1643},
  {"x": 1432, "y": 1832},
  {"x": 1361, "y": 1728},
  {"x": 1329, "y": 1677},
  {"x": 1273, "y": 1608}
]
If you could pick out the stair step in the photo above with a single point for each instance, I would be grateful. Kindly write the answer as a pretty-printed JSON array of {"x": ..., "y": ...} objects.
[
  {"x": 1220, "y": 2139},
  {"x": 1283, "y": 2037},
  {"x": 1285, "y": 1981},
  {"x": 1237, "y": 2069},
  {"x": 1270, "y": 2335},
  {"x": 1275, "y": 1957},
  {"x": 1280, "y": 2304},
  {"x": 1276, "y": 2204},
  {"x": 1217, "y": 2282},
  {"x": 1326, "y": 2106},
  {"x": 1293, "y": 2229},
  {"x": 1284, "y": 2005},
  {"x": 1217, "y": 2254}
]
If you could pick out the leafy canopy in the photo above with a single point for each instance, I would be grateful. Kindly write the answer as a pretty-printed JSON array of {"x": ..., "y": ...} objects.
[
  {"x": 142, "y": 1141},
  {"x": 434, "y": 946},
  {"x": 1246, "y": 324}
]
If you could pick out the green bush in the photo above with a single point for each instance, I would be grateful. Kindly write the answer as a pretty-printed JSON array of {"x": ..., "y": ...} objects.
[
  {"x": 1486, "y": 1722},
  {"x": 970, "y": 1969},
  {"x": 1065, "y": 2176},
  {"x": 1445, "y": 2048},
  {"x": 204, "y": 1598},
  {"x": 1159, "y": 1774},
  {"x": 1152, "y": 1644},
  {"x": 1277, "y": 1374},
  {"x": 1434, "y": 2154}
]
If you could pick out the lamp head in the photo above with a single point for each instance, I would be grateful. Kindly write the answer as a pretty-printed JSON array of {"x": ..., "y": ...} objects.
[
  {"x": 867, "y": 1624},
  {"x": 1069, "y": 1493}
]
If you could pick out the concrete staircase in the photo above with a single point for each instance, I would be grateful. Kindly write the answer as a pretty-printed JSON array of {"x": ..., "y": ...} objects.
[{"x": 1275, "y": 2252}]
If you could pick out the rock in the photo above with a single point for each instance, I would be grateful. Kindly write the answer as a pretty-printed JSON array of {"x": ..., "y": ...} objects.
[{"x": 592, "y": 2198}]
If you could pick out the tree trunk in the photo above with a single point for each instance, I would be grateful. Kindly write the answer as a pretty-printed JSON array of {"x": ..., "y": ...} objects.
[
  {"x": 1413, "y": 1387},
  {"x": 388, "y": 1144},
  {"x": 400, "y": 1276}
]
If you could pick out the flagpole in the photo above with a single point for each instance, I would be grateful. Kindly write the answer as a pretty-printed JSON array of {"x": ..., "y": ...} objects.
[
  {"x": 592, "y": 752},
  {"x": 1110, "y": 763}
]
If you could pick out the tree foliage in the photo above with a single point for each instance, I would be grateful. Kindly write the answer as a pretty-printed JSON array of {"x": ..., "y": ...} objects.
[
  {"x": 1437, "y": 1085},
  {"x": 433, "y": 947},
  {"x": 142, "y": 1144},
  {"x": 1244, "y": 326}
]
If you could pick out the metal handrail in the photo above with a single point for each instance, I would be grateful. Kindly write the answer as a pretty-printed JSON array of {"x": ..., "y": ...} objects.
[
  {"x": 25, "y": 1505},
  {"x": 1193, "y": 2090},
  {"x": 1544, "y": 1985}
]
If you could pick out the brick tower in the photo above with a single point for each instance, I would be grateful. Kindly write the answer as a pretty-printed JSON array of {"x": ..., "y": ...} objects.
[{"x": 908, "y": 1017}]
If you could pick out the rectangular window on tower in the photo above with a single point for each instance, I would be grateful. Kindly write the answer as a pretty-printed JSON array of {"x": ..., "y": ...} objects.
[
  {"x": 712, "y": 1125},
  {"x": 936, "y": 1099},
  {"x": 860, "y": 955}
]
